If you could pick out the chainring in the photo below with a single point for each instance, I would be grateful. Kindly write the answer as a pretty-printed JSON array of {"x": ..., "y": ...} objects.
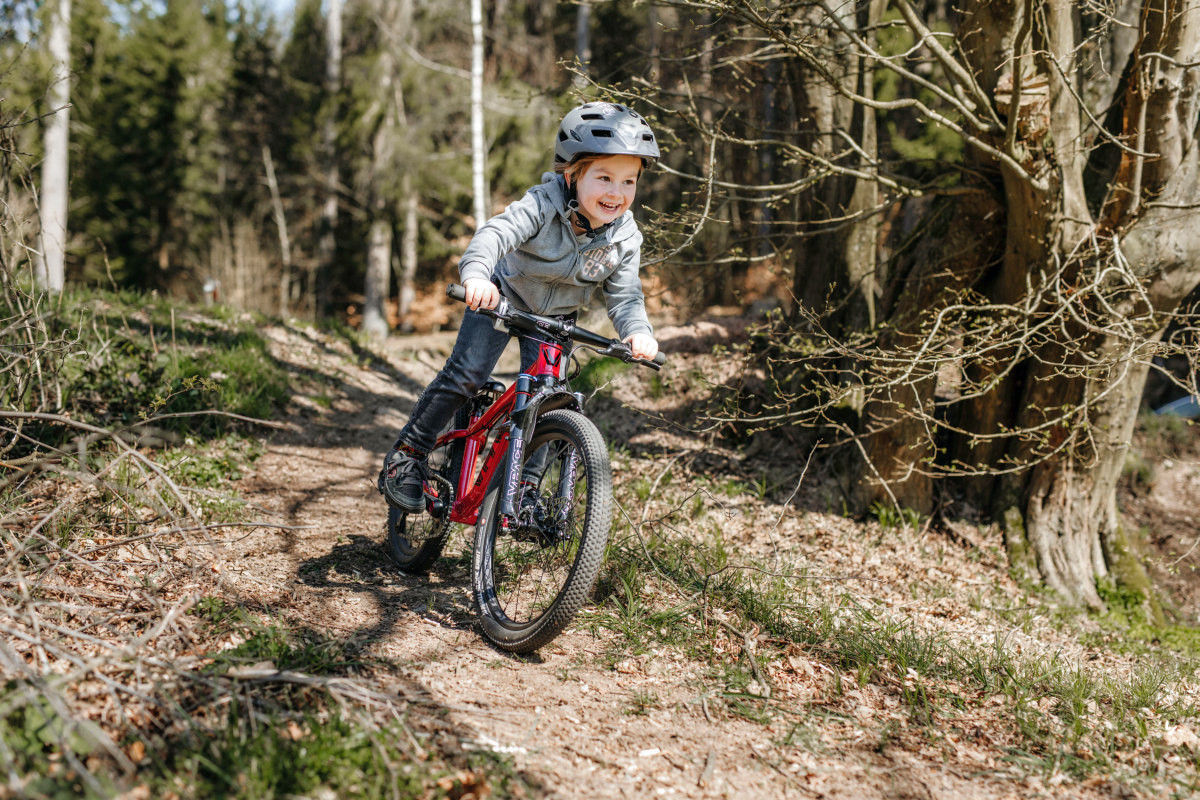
[{"x": 442, "y": 527}]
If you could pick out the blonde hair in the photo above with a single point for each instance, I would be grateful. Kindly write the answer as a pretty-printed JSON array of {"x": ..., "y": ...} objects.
[{"x": 576, "y": 168}]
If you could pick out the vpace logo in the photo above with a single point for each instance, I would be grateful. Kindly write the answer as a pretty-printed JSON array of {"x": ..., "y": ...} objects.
[{"x": 514, "y": 470}]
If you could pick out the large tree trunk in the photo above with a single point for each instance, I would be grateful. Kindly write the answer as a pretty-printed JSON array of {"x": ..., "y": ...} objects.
[
  {"x": 1079, "y": 536},
  {"x": 1048, "y": 411},
  {"x": 1011, "y": 359},
  {"x": 1080, "y": 396},
  {"x": 408, "y": 256},
  {"x": 54, "y": 191}
]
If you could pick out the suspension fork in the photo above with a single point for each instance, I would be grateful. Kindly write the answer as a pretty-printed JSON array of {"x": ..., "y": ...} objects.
[
  {"x": 518, "y": 440},
  {"x": 566, "y": 488}
]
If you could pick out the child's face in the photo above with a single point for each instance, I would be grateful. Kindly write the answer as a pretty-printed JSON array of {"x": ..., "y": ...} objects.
[{"x": 606, "y": 188}]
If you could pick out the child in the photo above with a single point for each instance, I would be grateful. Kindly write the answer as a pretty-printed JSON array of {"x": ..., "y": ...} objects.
[{"x": 546, "y": 254}]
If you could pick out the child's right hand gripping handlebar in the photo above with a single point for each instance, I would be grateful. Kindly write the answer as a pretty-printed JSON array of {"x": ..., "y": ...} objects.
[{"x": 535, "y": 322}]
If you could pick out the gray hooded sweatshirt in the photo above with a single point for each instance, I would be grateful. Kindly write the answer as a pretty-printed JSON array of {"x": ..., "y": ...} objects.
[{"x": 531, "y": 251}]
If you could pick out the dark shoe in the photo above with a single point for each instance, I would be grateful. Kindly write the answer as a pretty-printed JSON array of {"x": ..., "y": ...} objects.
[
  {"x": 527, "y": 505},
  {"x": 402, "y": 482}
]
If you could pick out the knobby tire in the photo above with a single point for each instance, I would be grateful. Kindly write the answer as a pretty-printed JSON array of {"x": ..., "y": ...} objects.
[{"x": 530, "y": 582}]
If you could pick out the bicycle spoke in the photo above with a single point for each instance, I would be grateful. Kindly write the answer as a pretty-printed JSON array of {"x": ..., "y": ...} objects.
[{"x": 532, "y": 568}]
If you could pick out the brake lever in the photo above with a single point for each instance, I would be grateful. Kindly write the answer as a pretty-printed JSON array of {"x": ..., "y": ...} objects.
[{"x": 621, "y": 350}]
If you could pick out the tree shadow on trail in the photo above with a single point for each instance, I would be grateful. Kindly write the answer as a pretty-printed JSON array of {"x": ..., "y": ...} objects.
[
  {"x": 361, "y": 565},
  {"x": 441, "y": 598}
]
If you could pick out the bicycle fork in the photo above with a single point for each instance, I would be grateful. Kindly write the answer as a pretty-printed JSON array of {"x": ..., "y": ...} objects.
[
  {"x": 517, "y": 441},
  {"x": 566, "y": 489}
]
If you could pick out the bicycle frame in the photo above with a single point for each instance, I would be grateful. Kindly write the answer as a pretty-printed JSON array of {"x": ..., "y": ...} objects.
[{"x": 546, "y": 376}]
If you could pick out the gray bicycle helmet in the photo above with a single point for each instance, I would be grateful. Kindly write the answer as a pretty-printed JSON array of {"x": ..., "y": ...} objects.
[{"x": 608, "y": 129}]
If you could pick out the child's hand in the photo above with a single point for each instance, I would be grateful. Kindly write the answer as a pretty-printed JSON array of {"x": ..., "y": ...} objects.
[
  {"x": 642, "y": 345},
  {"x": 481, "y": 293}
]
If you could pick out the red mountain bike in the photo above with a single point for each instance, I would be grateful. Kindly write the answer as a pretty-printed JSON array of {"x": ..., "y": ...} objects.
[{"x": 540, "y": 500}]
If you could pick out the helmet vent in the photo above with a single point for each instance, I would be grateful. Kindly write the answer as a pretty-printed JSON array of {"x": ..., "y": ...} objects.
[{"x": 603, "y": 129}]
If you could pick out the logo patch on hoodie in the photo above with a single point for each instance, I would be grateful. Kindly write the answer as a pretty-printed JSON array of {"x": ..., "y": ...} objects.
[{"x": 597, "y": 262}]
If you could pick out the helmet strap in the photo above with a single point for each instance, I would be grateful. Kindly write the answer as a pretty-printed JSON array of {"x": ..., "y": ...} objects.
[{"x": 579, "y": 217}]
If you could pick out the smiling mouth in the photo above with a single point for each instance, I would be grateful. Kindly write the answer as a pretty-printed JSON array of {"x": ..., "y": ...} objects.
[{"x": 609, "y": 207}]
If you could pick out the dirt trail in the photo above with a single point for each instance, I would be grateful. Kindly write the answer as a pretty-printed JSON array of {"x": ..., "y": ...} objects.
[{"x": 563, "y": 714}]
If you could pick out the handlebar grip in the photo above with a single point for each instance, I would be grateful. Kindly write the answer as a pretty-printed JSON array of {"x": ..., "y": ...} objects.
[
  {"x": 456, "y": 292},
  {"x": 660, "y": 358}
]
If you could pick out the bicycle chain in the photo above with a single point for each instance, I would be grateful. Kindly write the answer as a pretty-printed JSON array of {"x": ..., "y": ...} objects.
[{"x": 446, "y": 495}]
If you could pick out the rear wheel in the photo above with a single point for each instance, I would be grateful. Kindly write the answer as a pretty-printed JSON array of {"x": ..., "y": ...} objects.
[
  {"x": 415, "y": 541},
  {"x": 534, "y": 573}
]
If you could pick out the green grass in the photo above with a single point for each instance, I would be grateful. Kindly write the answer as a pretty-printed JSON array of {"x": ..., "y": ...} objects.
[
  {"x": 309, "y": 652},
  {"x": 139, "y": 356},
  {"x": 290, "y": 757},
  {"x": 891, "y": 518}
]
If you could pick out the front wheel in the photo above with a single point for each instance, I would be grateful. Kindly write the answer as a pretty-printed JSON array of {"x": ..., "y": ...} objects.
[{"x": 533, "y": 574}]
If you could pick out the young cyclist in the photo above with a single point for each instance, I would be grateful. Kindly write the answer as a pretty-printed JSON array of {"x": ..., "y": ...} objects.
[{"x": 547, "y": 253}]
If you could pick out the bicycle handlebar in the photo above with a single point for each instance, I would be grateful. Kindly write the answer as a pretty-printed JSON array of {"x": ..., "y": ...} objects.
[{"x": 535, "y": 322}]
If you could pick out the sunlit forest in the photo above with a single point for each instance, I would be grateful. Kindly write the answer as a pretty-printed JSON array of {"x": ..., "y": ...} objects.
[
  {"x": 969, "y": 226},
  {"x": 949, "y": 251}
]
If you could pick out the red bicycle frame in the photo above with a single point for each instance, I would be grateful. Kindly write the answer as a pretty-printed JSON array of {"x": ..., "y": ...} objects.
[{"x": 551, "y": 363}]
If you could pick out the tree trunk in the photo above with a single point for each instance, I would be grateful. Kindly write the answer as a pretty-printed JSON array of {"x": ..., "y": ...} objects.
[
  {"x": 1082, "y": 392},
  {"x": 407, "y": 268},
  {"x": 1017, "y": 327},
  {"x": 285, "y": 247},
  {"x": 408, "y": 256},
  {"x": 320, "y": 286},
  {"x": 384, "y": 115},
  {"x": 836, "y": 258},
  {"x": 54, "y": 193},
  {"x": 379, "y": 259},
  {"x": 478, "y": 144},
  {"x": 583, "y": 41}
]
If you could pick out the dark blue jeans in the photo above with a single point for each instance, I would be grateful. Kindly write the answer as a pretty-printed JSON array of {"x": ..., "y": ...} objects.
[{"x": 476, "y": 351}]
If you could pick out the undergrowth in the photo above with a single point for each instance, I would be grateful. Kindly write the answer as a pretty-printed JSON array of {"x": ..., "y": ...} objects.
[
  {"x": 1048, "y": 714},
  {"x": 125, "y": 422}
]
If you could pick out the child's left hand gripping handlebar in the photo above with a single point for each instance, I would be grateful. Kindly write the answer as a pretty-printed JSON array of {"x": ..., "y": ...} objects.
[{"x": 606, "y": 346}]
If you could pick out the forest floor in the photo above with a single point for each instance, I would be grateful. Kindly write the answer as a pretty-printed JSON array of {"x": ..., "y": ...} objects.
[{"x": 616, "y": 710}]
